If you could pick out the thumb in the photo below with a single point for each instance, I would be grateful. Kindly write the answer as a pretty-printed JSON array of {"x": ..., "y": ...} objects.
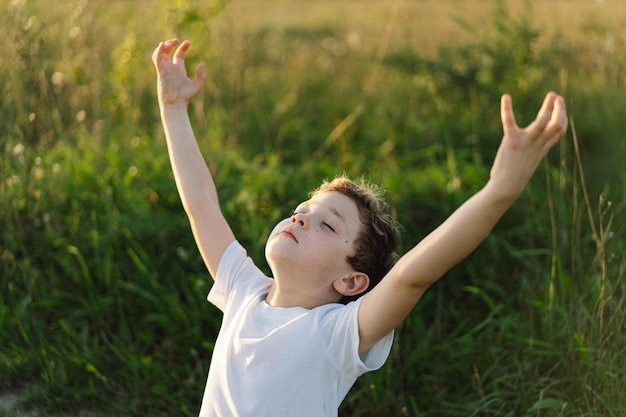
[
  {"x": 506, "y": 114},
  {"x": 199, "y": 76}
]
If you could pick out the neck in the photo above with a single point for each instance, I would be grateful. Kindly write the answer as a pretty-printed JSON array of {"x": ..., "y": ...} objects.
[{"x": 299, "y": 295}]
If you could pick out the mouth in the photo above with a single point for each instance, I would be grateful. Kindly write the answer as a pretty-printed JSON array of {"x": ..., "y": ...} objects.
[{"x": 289, "y": 235}]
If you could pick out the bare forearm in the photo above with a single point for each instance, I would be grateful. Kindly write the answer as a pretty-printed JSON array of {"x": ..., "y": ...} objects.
[
  {"x": 518, "y": 156},
  {"x": 193, "y": 178},
  {"x": 455, "y": 239}
]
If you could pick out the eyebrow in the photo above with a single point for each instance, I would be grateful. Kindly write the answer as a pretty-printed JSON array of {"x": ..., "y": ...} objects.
[
  {"x": 333, "y": 210},
  {"x": 336, "y": 213}
]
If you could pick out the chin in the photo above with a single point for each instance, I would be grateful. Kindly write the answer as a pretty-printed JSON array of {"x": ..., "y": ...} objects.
[{"x": 273, "y": 255}]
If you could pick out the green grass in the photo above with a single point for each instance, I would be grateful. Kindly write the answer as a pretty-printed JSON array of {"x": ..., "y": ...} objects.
[{"x": 103, "y": 293}]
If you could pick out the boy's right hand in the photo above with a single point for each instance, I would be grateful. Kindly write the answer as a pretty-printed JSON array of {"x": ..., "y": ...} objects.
[
  {"x": 174, "y": 86},
  {"x": 193, "y": 178}
]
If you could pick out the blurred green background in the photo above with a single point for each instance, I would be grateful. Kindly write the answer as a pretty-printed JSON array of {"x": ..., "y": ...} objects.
[{"x": 103, "y": 293}]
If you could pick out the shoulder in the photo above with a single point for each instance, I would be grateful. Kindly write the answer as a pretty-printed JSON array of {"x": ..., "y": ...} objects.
[
  {"x": 237, "y": 276},
  {"x": 339, "y": 328}
]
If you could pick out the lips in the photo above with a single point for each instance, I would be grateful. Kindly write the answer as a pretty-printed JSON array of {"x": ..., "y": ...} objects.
[{"x": 289, "y": 235}]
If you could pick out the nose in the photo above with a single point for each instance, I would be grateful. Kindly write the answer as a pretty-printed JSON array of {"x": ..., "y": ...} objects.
[{"x": 300, "y": 219}]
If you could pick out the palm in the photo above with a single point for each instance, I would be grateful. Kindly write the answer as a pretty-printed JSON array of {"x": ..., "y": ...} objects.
[
  {"x": 174, "y": 86},
  {"x": 522, "y": 149}
]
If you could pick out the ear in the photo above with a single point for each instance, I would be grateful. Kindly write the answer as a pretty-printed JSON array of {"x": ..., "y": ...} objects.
[{"x": 353, "y": 284}]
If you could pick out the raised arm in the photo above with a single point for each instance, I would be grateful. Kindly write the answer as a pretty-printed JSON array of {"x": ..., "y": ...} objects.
[
  {"x": 193, "y": 178},
  {"x": 517, "y": 158}
]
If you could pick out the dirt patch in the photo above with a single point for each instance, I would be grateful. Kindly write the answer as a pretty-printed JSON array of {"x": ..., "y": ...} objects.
[{"x": 11, "y": 404}]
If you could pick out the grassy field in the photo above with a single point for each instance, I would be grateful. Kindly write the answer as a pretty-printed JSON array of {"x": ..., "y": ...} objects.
[{"x": 103, "y": 294}]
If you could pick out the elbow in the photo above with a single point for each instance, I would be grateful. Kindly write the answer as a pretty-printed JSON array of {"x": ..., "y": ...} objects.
[
  {"x": 417, "y": 277},
  {"x": 198, "y": 207}
]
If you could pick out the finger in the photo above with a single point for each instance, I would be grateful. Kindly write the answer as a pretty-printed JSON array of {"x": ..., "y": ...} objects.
[
  {"x": 552, "y": 140},
  {"x": 157, "y": 54},
  {"x": 200, "y": 76},
  {"x": 558, "y": 118},
  {"x": 507, "y": 115},
  {"x": 162, "y": 51},
  {"x": 560, "y": 111},
  {"x": 545, "y": 113},
  {"x": 558, "y": 123},
  {"x": 169, "y": 44},
  {"x": 179, "y": 56}
]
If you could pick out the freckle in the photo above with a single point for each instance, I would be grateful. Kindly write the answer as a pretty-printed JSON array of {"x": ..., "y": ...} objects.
[{"x": 346, "y": 241}]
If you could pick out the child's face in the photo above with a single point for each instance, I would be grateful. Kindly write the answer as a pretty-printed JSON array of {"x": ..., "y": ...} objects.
[{"x": 316, "y": 240}]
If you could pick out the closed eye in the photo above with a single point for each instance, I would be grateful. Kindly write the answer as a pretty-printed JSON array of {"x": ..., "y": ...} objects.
[{"x": 329, "y": 226}]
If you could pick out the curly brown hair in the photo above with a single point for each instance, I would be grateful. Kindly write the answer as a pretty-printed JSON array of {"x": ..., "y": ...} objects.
[{"x": 376, "y": 242}]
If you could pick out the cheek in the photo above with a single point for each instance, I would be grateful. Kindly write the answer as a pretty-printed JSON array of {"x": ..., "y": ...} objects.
[{"x": 280, "y": 226}]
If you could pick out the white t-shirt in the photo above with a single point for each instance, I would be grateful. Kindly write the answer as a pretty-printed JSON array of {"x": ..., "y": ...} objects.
[{"x": 279, "y": 362}]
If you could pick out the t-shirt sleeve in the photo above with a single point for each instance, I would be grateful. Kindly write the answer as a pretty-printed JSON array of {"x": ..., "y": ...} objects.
[
  {"x": 344, "y": 342},
  {"x": 235, "y": 270}
]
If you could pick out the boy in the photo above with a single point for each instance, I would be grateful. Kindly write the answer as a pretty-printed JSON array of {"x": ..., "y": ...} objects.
[{"x": 288, "y": 346}]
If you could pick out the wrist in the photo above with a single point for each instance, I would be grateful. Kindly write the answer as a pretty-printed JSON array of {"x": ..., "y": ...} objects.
[
  {"x": 502, "y": 192},
  {"x": 174, "y": 107}
]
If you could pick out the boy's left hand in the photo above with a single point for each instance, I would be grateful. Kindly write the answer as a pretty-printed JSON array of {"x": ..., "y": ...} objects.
[{"x": 522, "y": 150}]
